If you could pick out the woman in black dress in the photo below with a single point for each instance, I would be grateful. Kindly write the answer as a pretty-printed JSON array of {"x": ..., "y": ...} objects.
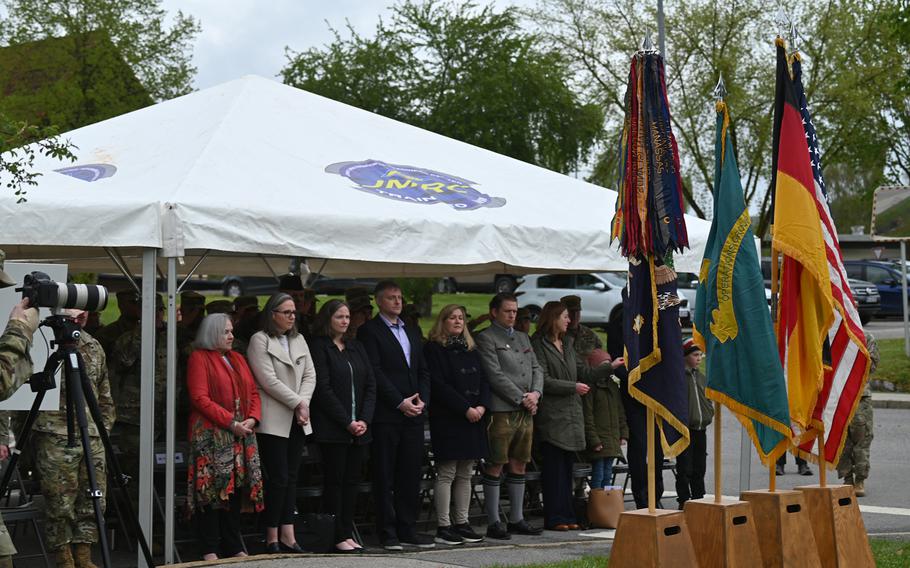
[{"x": 342, "y": 411}]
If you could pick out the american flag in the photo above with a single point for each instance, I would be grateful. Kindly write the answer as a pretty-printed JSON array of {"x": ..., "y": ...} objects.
[{"x": 845, "y": 379}]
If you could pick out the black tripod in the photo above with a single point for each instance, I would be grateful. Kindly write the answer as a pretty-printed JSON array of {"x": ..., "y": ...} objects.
[{"x": 79, "y": 394}]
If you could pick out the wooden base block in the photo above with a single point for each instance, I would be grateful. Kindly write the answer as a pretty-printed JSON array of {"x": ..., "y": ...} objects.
[
  {"x": 723, "y": 534},
  {"x": 837, "y": 524},
  {"x": 784, "y": 533},
  {"x": 652, "y": 540}
]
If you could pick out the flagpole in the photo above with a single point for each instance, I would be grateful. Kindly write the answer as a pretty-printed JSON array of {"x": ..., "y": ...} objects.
[
  {"x": 772, "y": 479},
  {"x": 718, "y": 493},
  {"x": 822, "y": 462},
  {"x": 652, "y": 498}
]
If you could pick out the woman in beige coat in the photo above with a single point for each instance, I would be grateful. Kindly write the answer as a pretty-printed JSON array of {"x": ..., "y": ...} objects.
[{"x": 281, "y": 362}]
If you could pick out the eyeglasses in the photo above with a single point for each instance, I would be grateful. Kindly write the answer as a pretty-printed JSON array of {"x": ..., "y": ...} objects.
[{"x": 286, "y": 313}]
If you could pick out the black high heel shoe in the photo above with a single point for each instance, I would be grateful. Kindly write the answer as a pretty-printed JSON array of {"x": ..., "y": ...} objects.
[
  {"x": 272, "y": 548},
  {"x": 294, "y": 548}
]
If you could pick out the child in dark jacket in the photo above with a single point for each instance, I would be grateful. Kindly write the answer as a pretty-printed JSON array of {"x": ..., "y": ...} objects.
[{"x": 691, "y": 463}]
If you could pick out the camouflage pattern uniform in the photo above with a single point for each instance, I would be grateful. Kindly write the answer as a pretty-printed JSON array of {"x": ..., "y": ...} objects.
[
  {"x": 64, "y": 481},
  {"x": 15, "y": 370},
  {"x": 109, "y": 334},
  {"x": 586, "y": 340},
  {"x": 125, "y": 388},
  {"x": 854, "y": 461}
]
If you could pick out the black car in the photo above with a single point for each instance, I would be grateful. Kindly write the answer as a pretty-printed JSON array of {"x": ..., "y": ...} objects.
[{"x": 338, "y": 286}]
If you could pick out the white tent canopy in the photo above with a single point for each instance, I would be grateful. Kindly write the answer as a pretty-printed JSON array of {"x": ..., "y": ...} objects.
[{"x": 246, "y": 168}]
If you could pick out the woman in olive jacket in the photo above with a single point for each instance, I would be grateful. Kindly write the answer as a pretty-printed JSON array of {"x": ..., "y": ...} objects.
[
  {"x": 342, "y": 412},
  {"x": 560, "y": 423}
]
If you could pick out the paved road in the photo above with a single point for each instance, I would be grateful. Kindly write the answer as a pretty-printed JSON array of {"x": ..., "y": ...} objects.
[{"x": 890, "y": 328}]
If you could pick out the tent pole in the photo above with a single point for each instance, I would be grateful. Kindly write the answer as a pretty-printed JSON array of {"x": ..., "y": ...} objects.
[
  {"x": 123, "y": 269},
  {"x": 170, "y": 414},
  {"x": 147, "y": 398},
  {"x": 192, "y": 271}
]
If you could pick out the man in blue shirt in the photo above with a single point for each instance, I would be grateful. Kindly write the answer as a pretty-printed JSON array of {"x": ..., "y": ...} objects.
[{"x": 403, "y": 391}]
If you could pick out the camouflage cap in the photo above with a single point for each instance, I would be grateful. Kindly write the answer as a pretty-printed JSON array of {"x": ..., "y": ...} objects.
[
  {"x": 572, "y": 302},
  {"x": 191, "y": 299},
  {"x": 219, "y": 307},
  {"x": 128, "y": 297},
  {"x": 355, "y": 292},
  {"x": 241, "y": 302},
  {"x": 358, "y": 303},
  {"x": 290, "y": 282},
  {"x": 523, "y": 314},
  {"x": 5, "y": 279}
]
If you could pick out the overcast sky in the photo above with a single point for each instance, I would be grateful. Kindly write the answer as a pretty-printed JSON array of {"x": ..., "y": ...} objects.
[{"x": 242, "y": 37}]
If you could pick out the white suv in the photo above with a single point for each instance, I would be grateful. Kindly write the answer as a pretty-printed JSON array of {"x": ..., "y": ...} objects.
[{"x": 600, "y": 293}]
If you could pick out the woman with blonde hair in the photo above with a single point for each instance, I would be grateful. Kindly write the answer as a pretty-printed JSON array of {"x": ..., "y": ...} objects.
[{"x": 461, "y": 396}]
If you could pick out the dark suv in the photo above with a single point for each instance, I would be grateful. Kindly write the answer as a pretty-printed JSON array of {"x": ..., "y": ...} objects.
[{"x": 886, "y": 276}]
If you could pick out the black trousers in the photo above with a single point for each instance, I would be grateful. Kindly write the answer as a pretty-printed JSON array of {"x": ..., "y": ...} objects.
[
  {"x": 342, "y": 465},
  {"x": 637, "y": 451},
  {"x": 691, "y": 465},
  {"x": 219, "y": 529},
  {"x": 395, "y": 462},
  {"x": 782, "y": 460},
  {"x": 556, "y": 482},
  {"x": 280, "y": 459}
]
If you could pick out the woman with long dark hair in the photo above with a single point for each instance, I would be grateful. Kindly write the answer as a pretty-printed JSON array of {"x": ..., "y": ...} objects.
[{"x": 343, "y": 410}]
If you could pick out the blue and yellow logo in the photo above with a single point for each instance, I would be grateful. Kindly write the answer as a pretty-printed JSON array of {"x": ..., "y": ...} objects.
[{"x": 414, "y": 185}]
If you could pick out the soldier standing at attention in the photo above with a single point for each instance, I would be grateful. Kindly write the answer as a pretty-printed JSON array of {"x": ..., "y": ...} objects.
[
  {"x": 246, "y": 321},
  {"x": 126, "y": 392},
  {"x": 854, "y": 460},
  {"x": 304, "y": 301},
  {"x": 130, "y": 309},
  {"x": 15, "y": 370},
  {"x": 361, "y": 306},
  {"x": 64, "y": 482},
  {"x": 586, "y": 341}
]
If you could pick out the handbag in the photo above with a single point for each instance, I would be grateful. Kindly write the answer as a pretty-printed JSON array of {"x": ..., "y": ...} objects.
[
  {"x": 317, "y": 532},
  {"x": 604, "y": 507}
]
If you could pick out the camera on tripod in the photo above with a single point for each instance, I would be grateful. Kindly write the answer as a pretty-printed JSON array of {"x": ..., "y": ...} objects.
[{"x": 42, "y": 292}]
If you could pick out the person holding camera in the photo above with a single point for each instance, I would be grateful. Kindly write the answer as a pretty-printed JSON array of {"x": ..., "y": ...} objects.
[
  {"x": 15, "y": 370},
  {"x": 70, "y": 527}
]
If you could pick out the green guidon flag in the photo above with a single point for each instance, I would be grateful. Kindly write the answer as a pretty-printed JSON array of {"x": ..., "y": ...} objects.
[{"x": 732, "y": 323}]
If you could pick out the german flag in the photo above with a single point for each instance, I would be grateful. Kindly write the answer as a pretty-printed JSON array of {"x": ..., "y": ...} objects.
[{"x": 815, "y": 294}]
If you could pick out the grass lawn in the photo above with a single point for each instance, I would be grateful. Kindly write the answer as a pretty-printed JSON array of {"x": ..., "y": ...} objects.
[
  {"x": 887, "y": 553},
  {"x": 894, "y": 365}
]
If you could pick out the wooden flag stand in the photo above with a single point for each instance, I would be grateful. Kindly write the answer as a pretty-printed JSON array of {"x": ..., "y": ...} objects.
[
  {"x": 723, "y": 532},
  {"x": 652, "y": 538},
  {"x": 840, "y": 534}
]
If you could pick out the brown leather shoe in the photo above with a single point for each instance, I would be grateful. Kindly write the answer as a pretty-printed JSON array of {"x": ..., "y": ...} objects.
[
  {"x": 574, "y": 527},
  {"x": 64, "y": 557},
  {"x": 82, "y": 555},
  {"x": 560, "y": 527}
]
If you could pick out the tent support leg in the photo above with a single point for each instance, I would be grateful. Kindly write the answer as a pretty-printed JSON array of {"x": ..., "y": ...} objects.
[
  {"x": 171, "y": 410},
  {"x": 147, "y": 398}
]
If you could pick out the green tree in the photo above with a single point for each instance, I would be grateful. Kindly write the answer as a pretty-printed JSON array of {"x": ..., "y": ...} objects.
[
  {"x": 847, "y": 65},
  {"x": 159, "y": 54},
  {"x": 468, "y": 72},
  {"x": 20, "y": 144}
]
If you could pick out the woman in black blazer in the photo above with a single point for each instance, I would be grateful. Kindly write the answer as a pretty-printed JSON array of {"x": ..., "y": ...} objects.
[{"x": 342, "y": 412}]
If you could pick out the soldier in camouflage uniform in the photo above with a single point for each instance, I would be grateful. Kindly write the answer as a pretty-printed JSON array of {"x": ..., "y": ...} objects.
[
  {"x": 586, "y": 339},
  {"x": 192, "y": 310},
  {"x": 64, "y": 481},
  {"x": 854, "y": 461},
  {"x": 130, "y": 309},
  {"x": 246, "y": 321},
  {"x": 125, "y": 388},
  {"x": 15, "y": 370}
]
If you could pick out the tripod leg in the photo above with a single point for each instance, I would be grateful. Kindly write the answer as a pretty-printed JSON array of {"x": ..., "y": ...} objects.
[
  {"x": 23, "y": 436},
  {"x": 113, "y": 465},
  {"x": 75, "y": 378}
]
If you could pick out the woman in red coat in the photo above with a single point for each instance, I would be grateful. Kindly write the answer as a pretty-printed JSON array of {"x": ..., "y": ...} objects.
[{"x": 224, "y": 476}]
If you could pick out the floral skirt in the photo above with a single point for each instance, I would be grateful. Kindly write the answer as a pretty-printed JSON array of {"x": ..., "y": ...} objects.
[{"x": 221, "y": 464}]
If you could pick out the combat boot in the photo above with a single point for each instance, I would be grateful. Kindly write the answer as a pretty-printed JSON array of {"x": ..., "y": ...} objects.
[
  {"x": 65, "y": 557},
  {"x": 859, "y": 488},
  {"x": 848, "y": 480},
  {"x": 83, "y": 555}
]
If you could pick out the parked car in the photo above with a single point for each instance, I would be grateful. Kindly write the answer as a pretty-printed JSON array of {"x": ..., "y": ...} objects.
[
  {"x": 233, "y": 286},
  {"x": 866, "y": 298},
  {"x": 482, "y": 283},
  {"x": 886, "y": 276},
  {"x": 117, "y": 282},
  {"x": 336, "y": 286}
]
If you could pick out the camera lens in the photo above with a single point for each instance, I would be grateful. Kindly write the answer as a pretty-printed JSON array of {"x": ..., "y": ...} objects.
[{"x": 87, "y": 297}]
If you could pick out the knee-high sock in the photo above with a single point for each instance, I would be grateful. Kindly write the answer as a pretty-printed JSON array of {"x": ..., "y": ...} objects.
[
  {"x": 515, "y": 484},
  {"x": 491, "y": 486}
]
